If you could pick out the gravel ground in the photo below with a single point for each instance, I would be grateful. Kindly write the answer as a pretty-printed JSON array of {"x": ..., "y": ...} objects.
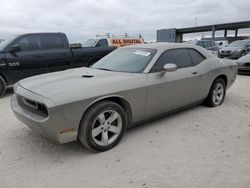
[{"x": 196, "y": 148}]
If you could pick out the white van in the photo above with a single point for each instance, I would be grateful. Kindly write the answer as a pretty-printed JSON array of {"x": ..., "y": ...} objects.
[{"x": 221, "y": 43}]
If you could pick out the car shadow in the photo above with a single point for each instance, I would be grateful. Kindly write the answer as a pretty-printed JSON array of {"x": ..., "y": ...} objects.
[
  {"x": 244, "y": 73},
  {"x": 35, "y": 144}
]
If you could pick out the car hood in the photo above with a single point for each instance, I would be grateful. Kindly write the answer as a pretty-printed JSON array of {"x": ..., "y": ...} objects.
[
  {"x": 229, "y": 48},
  {"x": 76, "y": 84},
  {"x": 243, "y": 60}
]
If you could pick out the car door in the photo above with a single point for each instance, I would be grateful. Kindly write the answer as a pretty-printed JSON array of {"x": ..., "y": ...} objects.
[
  {"x": 28, "y": 60},
  {"x": 56, "y": 54},
  {"x": 175, "y": 89}
]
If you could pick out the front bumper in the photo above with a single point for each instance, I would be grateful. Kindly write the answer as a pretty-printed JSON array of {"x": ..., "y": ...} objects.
[
  {"x": 243, "y": 69},
  {"x": 52, "y": 126},
  {"x": 232, "y": 55}
]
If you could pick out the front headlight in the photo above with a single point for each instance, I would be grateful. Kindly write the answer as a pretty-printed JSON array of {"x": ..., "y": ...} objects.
[{"x": 237, "y": 50}]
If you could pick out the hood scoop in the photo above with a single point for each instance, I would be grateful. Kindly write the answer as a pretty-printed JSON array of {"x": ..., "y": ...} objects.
[{"x": 87, "y": 76}]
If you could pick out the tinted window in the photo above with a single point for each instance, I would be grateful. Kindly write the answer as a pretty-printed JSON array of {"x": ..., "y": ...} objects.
[
  {"x": 102, "y": 43},
  {"x": 213, "y": 44},
  {"x": 200, "y": 43},
  {"x": 180, "y": 57},
  {"x": 29, "y": 43},
  {"x": 207, "y": 44},
  {"x": 53, "y": 41},
  {"x": 196, "y": 57}
]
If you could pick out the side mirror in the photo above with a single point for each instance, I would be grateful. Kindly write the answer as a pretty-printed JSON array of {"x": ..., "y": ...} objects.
[
  {"x": 169, "y": 67},
  {"x": 14, "y": 49}
]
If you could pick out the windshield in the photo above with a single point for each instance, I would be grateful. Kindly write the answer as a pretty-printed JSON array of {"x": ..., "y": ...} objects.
[
  {"x": 89, "y": 43},
  {"x": 133, "y": 60},
  {"x": 4, "y": 43},
  {"x": 239, "y": 43}
]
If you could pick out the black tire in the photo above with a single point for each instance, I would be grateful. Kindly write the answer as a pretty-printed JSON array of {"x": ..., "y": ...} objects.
[
  {"x": 211, "y": 101},
  {"x": 90, "y": 122},
  {"x": 2, "y": 87}
]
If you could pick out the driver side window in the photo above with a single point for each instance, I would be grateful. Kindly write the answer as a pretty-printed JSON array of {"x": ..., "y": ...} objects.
[
  {"x": 29, "y": 43},
  {"x": 179, "y": 57}
]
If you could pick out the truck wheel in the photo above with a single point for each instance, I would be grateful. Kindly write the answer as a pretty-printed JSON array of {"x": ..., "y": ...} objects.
[
  {"x": 217, "y": 93},
  {"x": 2, "y": 86},
  {"x": 103, "y": 126}
]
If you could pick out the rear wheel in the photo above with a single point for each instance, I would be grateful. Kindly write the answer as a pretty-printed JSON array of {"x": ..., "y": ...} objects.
[
  {"x": 217, "y": 93},
  {"x": 2, "y": 86},
  {"x": 103, "y": 126}
]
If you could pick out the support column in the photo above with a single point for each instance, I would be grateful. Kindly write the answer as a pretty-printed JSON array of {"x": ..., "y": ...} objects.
[
  {"x": 179, "y": 38},
  {"x": 225, "y": 33},
  {"x": 236, "y": 32},
  {"x": 213, "y": 32}
]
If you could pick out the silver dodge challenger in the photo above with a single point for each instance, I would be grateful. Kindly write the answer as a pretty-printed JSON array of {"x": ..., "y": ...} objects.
[{"x": 130, "y": 85}]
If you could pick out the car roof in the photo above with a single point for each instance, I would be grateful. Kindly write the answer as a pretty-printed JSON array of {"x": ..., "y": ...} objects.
[{"x": 163, "y": 46}]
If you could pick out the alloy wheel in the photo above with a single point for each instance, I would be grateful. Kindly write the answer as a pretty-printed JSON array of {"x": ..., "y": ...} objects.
[
  {"x": 106, "y": 127},
  {"x": 218, "y": 93}
]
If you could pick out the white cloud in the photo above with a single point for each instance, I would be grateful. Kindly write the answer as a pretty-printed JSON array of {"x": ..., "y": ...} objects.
[{"x": 82, "y": 19}]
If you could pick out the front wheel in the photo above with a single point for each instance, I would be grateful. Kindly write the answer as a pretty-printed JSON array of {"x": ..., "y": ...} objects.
[
  {"x": 217, "y": 93},
  {"x": 103, "y": 126}
]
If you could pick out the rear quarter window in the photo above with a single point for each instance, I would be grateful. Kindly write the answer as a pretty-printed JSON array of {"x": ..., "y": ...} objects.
[
  {"x": 196, "y": 56},
  {"x": 53, "y": 42}
]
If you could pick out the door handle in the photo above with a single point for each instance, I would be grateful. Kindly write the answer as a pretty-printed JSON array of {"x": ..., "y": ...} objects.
[{"x": 194, "y": 72}]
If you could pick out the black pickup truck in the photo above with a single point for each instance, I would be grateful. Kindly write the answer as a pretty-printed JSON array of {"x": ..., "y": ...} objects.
[{"x": 38, "y": 53}]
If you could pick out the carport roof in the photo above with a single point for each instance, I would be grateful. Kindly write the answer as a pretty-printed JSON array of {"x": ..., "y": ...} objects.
[{"x": 225, "y": 26}]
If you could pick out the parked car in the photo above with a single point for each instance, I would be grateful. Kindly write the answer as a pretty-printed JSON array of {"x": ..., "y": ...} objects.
[
  {"x": 221, "y": 43},
  {"x": 38, "y": 53},
  {"x": 244, "y": 64},
  {"x": 235, "y": 49},
  {"x": 207, "y": 44},
  {"x": 130, "y": 85}
]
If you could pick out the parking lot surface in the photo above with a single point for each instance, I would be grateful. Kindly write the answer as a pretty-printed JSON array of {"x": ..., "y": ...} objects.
[{"x": 199, "y": 147}]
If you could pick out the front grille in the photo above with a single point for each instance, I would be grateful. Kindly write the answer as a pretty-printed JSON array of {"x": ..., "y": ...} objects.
[
  {"x": 33, "y": 106},
  {"x": 225, "y": 51},
  {"x": 247, "y": 64}
]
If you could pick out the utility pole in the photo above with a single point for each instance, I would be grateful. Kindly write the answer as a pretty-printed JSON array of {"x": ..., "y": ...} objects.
[{"x": 195, "y": 21}]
